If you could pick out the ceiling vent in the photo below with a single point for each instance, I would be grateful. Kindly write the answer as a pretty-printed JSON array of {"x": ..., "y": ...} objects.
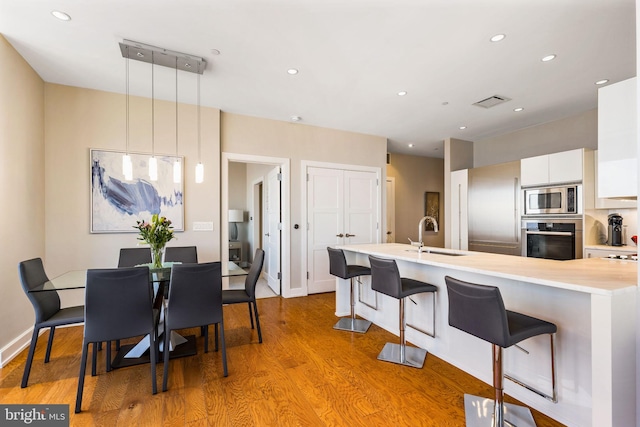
[{"x": 492, "y": 101}]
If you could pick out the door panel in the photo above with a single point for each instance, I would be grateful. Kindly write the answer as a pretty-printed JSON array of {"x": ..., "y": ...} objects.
[
  {"x": 339, "y": 202},
  {"x": 273, "y": 234}
]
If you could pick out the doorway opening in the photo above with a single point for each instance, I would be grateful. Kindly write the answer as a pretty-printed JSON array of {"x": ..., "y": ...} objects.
[{"x": 259, "y": 187}]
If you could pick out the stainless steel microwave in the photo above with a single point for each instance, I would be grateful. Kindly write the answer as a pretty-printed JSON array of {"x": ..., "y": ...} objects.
[{"x": 552, "y": 200}]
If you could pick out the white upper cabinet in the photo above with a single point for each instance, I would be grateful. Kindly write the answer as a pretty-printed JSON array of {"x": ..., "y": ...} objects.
[
  {"x": 617, "y": 141},
  {"x": 553, "y": 168}
]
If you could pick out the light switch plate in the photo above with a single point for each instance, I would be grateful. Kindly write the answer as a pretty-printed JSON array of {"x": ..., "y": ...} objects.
[{"x": 202, "y": 226}]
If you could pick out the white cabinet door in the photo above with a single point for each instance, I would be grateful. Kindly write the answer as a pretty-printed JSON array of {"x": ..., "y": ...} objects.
[
  {"x": 565, "y": 166},
  {"x": 617, "y": 144},
  {"x": 459, "y": 216},
  {"x": 342, "y": 208},
  {"x": 534, "y": 170}
]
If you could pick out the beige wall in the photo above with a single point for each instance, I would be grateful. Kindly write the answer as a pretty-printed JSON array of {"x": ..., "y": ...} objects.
[
  {"x": 298, "y": 142},
  {"x": 414, "y": 175},
  {"x": 79, "y": 119},
  {"x": 22, "y": 169},
  {"x": 579, "y": 131}
]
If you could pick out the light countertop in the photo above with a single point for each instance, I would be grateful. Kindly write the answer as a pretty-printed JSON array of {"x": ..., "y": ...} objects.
[
  {"x": 592, "y": 275},
  {"x": 613, "y": 249}
]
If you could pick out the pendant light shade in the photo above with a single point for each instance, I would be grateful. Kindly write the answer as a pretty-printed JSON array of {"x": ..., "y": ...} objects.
[
  {"x": 127, "y": 167},
  {"x": 153, "y": 168},
  {"x": 177, "y": 171},
  {"x": 199, "y": 173}
]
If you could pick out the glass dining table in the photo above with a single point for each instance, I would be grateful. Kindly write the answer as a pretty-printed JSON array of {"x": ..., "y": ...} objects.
[{"x": 133, "y": 354}]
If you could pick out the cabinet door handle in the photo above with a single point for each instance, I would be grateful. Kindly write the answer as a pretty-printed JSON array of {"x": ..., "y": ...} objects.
[
  {"x": 350, "y": 235},
  {"x": 340, "y": 235}
]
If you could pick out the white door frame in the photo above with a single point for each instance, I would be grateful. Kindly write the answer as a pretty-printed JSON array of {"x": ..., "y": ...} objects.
[
  {"x": 304, "y": 166},
  {"x": 285, "y": 201}
]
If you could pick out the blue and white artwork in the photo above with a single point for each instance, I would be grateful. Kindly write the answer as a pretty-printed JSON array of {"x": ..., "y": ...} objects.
[{"x": 116, "y": 204}]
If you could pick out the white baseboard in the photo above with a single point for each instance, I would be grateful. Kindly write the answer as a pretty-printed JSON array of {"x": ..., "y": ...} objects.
[
  {"x": 11, "y": 350},
  {"x": 22, "y": 341}
]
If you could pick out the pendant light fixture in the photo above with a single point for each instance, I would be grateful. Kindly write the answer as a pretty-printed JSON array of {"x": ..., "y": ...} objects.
[
  {"x": 127, "y": 166},
  {"x": 199, "y": 166},
  {"x": 153, "y": 162},
  {"x": 177, "y": 167}
]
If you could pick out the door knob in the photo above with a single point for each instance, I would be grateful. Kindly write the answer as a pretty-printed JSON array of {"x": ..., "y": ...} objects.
[
  {"x": 340, "y": 235},
  {"x": 350, "y": 235},
  {"x": 388, "y": 232},
  {"x": 266, "y": 234}
]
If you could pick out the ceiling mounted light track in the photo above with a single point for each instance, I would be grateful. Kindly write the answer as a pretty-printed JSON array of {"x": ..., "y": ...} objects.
[{"x": 159, "y": 56}]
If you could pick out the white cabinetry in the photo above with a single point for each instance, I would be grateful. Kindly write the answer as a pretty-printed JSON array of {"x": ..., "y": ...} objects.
[
  {"x": 617, "y": 144},
  {"x": 613, "y": 250},
  {"x": 458, "y": 213},
  {"x": 553, "y": 168}
]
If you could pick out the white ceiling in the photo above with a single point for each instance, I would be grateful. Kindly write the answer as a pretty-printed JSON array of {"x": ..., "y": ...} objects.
[{"x": 353, "y": 57}]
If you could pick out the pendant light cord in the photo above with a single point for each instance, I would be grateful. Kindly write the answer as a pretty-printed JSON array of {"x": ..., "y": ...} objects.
[
  {"x": 199, "y": 151},
  {"x": 153, "y": 112},
  {"x": 127, "y": 103},
  {"x": 176, "y": 105}
]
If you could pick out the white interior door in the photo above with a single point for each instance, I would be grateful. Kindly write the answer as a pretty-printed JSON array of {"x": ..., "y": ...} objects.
[
  {"x": 341, "y": 209},
  {"x": 273, "y": 233},
  {"x": 391, "y": 210}
]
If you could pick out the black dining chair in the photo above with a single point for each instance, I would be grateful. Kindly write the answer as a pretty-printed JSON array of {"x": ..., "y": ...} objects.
[
  {"x": 248, "y": 294},
  {"x": 46, "y": 306},
  {"x": 130, "y": 257},
  {"x": 118, "y": 305},
  {"x": 195, "y": 299},
  {"x": 183, "y": 254}
]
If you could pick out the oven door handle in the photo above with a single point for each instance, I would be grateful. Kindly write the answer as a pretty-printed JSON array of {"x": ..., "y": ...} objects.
[{"x": 551, "y": 233}]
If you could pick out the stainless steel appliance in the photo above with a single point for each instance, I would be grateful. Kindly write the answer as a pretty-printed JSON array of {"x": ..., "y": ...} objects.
[
  {"x": 493, "y": 209},
  {"x": 558, "y": 200},
  {"x": 615, "y": 230},
  {"x": 552, "y": 238}
]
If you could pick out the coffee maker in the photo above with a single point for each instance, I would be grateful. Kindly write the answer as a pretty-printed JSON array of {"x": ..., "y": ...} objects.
[{"x": 615, "y": 230}]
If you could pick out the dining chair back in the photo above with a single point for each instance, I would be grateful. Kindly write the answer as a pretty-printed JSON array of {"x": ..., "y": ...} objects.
[
  {"x": 195, "y": 299},
  {"x": 46, "y": 306},
  {"x": 130, "y": 257},
  {"x": 118, "y": 305},
  {"x": 248, "y": 294},
  {"x": 183, "y": 254}
]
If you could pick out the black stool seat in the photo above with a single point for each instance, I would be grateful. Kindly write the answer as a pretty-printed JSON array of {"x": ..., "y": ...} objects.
[
  {"x": 411, "y": 287},
  {"x": 338, "y": 267},
  {"x": 479, "y": 310},
  {"x": 385, "y": 278}
]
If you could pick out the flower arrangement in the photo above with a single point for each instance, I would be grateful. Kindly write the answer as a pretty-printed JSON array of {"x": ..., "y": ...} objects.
[{"x": 156, "y": 234}]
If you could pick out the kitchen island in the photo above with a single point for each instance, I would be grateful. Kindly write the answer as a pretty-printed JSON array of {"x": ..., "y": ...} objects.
[{"x": 592, "y": 301}]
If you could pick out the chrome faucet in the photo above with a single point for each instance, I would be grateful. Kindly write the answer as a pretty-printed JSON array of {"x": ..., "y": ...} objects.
[{"x": 420, "y": 243}]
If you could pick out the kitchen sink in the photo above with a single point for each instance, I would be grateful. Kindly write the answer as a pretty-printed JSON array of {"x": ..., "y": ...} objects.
[{"x": 436, "y": 252}]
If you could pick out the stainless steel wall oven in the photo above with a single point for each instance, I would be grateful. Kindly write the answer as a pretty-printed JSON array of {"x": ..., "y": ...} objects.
[{"x": 552, "y": 238}]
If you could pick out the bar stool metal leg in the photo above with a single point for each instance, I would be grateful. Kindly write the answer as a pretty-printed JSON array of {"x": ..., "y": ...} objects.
[
  {"x": 352, "y": 324},
  {"x": 483, "y": 412},
  {"x": 400, "y": 353}
]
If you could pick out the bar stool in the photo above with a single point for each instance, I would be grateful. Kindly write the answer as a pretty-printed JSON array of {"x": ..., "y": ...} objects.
[
  {"x": 385, "y": 278},
  {"x": 479, "y": 310},
  {"x": 338, "y": 267}
]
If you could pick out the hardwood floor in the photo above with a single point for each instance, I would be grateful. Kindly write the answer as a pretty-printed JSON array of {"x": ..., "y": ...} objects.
[{"x": 304, "y": 374}]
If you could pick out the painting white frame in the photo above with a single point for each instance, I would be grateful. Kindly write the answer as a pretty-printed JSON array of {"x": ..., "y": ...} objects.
[{"x": 116, "y": 204}]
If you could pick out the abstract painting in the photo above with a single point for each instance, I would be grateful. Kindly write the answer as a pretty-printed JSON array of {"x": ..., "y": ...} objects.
[
  {"x": 116, "y": 204},
  {"x": 431, "y": 208}
]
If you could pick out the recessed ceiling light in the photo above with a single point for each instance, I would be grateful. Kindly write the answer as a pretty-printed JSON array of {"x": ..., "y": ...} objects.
[
  {"x": 61, "y": 15},
  {"x": 215, "y": 52},
  {"x": 497, "y": 38},
  {"x": 445, "y": 103},
  {"x": 517, "y": 110},
  {"x": 402, "y": 93},
  {"x": 292, "y": 71},
  {"x": 296, "y": 118},
  {"x": 462, "y": 127},
  {"x": 548, "y": 58},
  {"x": 410, "y": 145},
  {"x": 603, "y": 81}
]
